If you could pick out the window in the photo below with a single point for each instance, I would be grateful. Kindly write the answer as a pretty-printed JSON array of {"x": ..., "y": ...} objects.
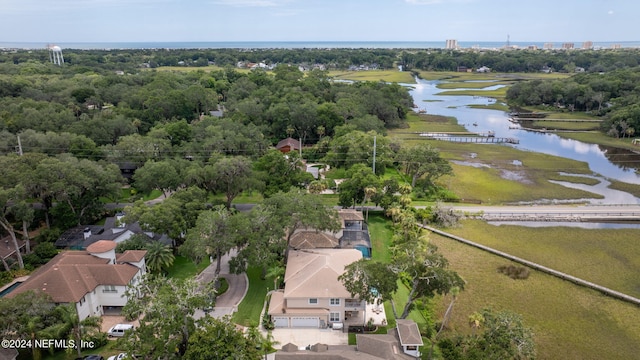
[
  {"x": 313, "y": 301},
  {"x": 109, "y": 289},
  {"x": 334, "y": 317},
  {"x": 334, "y": 302}
]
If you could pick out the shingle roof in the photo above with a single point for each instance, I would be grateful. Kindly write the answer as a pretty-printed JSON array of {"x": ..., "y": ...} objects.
[
  {"x": 130, "y": 256},
  {"x": 101, "y": 246},
  {"x": 408, "y": 332},
  {"x": 314, "y": 273},
  {"x": 292, "y": 143},
  {"x": 350, "y": 214},
  {"x": 312, "y": 239},
  {"x": 70, "y": 275}
]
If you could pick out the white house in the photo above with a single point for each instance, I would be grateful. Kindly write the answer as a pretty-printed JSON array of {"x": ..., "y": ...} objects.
[{"x": 94, "y": 280}]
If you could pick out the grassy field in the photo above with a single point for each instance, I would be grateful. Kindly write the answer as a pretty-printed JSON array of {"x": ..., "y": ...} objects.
[
  {"x": 374, "y": 75},
  {"x": 567, "y": 319}
]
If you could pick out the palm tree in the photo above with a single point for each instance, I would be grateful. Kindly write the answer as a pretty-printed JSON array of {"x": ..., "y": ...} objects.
[
  {"x": 369, "y": 192},
  {"x": 71, "y": 326},
  {"x": 475, "y": 321},
  {"x": 159, "y": 257},
  {"x": 275, "y": 272}
]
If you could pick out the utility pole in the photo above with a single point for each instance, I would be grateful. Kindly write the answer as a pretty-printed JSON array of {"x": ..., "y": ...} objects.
[
  {"x": 374, "y": 155},
  {"x": 19, "y": 146}
]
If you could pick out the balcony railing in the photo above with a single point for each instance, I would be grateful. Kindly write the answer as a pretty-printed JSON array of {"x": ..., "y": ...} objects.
[{"x": 353, "y": 303}]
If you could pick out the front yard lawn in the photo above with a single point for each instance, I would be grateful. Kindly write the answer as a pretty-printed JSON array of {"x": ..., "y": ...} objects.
[
  {"x": 184, "y": 268},
  {"x": 251, "y": 306}
]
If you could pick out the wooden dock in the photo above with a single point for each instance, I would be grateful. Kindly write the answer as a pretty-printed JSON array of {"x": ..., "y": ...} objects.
[{"x": 478, "y": 138}]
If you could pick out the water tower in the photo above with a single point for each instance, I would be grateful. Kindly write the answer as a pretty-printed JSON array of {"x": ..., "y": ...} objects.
[{"x": 55, "y": 54}]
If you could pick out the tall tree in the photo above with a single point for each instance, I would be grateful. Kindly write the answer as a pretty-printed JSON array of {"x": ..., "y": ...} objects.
[
  {"x": 168, "y": 306},
  {"x": 419, "y": 262},
  {"x": 228, "y": 175},
  {"x": 280, "y": 172},
  {"x": 10, "y": 199},
  {"x": 220, "y": 339},
  {"x": 423, "y": 161},
  {"x": 216, "y": 232},
  {"x": 161, "y": 175},
  {"x": 173, "y": 216},
  {"x": 497, "y": 335},
  {"x": 352, "y": 190},
  {"x": 295, "y": 210}
]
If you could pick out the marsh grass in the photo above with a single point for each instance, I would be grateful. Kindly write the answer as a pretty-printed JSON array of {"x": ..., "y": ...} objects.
[
  {"x": 500, "y": 106},
  {"x": 375, "y": 75},
  {"x": 466, "y": 76},
  {"x": 499, "y": 94},
  {"x": 633, "y": 189},
  {"x": 562, "y": 125},
  {"x": 567, "y": 319},
  {"x": 471, "y": 85}
]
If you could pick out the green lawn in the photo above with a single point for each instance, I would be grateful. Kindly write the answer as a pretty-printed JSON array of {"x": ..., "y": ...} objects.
[
  {"x": 184, "y": 268},
  {"x": 251, "y": 306}
]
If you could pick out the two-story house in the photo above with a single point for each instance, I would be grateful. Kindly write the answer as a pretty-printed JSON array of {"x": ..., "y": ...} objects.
[
  {"x": 313, "y": 296},
  {"x": 94, "y": 280}
]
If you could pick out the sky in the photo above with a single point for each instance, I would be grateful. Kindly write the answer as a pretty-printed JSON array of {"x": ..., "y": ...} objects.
[{"x": 60, "y": 21}]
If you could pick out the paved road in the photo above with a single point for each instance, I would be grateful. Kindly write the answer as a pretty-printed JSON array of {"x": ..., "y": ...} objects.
[
  {"x": 227, "y": 303},
  {"x": 617, "y": 212}
]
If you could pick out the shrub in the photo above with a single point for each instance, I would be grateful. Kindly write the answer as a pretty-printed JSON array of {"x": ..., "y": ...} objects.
[{"x": 514, "y": 272}]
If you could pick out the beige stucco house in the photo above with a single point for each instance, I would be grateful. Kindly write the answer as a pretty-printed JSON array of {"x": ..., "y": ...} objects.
[{"x": 313, "y": 297}]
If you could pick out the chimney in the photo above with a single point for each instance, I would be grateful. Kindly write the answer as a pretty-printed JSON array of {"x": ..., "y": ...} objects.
[{"x": 87, "y": 233}]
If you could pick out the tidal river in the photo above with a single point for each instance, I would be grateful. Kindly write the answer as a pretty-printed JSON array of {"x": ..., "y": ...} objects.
[{"x": 608, "y": 163}]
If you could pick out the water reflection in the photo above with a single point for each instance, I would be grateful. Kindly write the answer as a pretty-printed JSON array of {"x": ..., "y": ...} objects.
[{"x": 616, "y": 164}]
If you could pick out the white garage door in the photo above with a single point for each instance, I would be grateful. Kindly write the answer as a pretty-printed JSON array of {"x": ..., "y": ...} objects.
[
  {"x": 304, "y": 322},
  {"x": 281, "y": 321}
]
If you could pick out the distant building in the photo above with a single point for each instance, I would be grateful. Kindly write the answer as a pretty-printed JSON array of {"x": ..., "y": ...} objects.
[
  {"x": 616, "y": 46},
  {"x": 547, "y": 46},
  {"x": 587, "y": 45},
  {"x": 567, "y": 46},
  {"x": 483, "y": 69},
  {"x": 451, "y": 44},
  {"x": 288, "y": 144}
]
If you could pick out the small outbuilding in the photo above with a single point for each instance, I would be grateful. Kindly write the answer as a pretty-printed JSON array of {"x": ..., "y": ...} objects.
[{"x": 288, "y": 145}]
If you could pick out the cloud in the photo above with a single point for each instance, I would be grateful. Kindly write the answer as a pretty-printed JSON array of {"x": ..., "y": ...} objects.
[{"x": 610, "y": 12}]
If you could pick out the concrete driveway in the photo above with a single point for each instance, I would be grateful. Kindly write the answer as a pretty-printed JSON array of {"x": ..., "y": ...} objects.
[
  {"x": 304, "y": 337},
  {"x": 227, "y": 303}
]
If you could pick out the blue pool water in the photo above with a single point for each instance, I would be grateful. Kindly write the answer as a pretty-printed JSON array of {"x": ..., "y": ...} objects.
[{"x": 366, "y": 253}]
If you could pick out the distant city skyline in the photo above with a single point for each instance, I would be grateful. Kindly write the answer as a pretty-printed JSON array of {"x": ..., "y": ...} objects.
[{"x": 59, "y": 21}]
